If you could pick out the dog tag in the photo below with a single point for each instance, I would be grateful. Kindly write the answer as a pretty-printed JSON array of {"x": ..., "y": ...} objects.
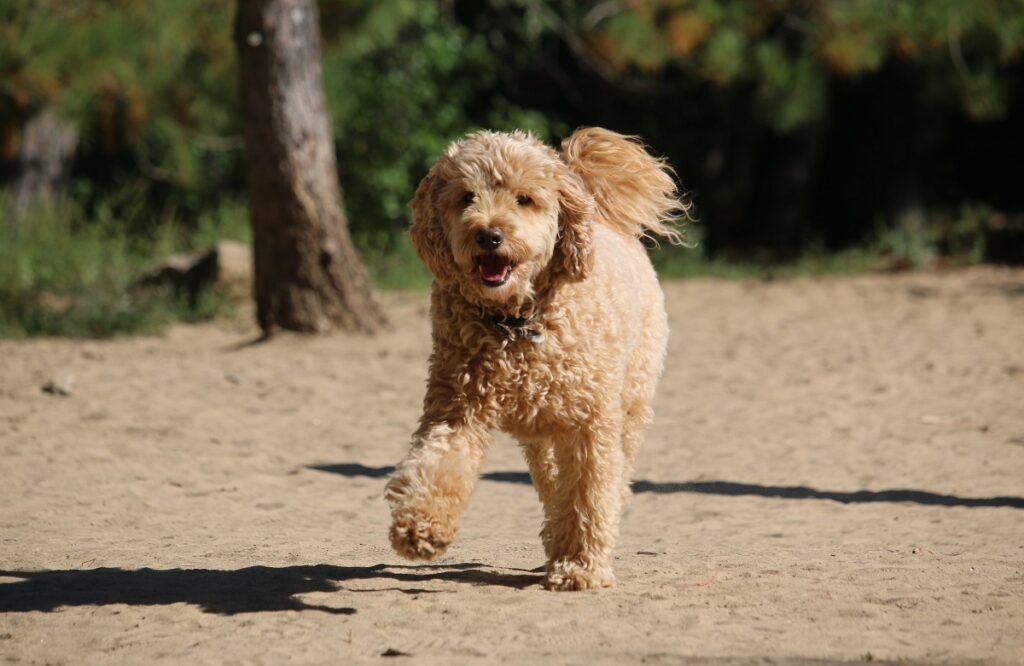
[{"x": 536, "y": 337}]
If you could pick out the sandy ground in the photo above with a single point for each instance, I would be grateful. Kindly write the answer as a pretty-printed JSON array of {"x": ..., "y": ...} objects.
[{"x": 836, "y": 473}]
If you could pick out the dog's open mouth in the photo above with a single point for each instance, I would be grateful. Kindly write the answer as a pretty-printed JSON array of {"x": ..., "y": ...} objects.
[{"x": 494, "y": 269}]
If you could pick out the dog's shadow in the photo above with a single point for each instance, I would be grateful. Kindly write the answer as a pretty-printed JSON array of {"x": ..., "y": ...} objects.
[
  {"x": 229, "y": 592},
  {"x": 734, "y": 489}
]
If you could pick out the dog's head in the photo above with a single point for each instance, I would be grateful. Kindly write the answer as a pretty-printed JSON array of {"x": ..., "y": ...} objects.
[{"x": 500, "y": 214}]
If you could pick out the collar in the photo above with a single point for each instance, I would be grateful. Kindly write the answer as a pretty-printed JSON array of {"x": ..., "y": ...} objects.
[{"x": 515, "y": 328}]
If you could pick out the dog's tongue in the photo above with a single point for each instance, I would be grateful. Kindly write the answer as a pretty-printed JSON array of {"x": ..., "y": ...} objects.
[{"x": 493, "y": 268}]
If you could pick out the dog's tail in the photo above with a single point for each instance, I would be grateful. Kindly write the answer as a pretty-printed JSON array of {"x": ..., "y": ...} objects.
[{"x": 635, "y": 192}]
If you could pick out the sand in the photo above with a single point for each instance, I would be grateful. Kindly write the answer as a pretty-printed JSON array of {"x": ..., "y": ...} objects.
[{"x": 836, "y": 473}]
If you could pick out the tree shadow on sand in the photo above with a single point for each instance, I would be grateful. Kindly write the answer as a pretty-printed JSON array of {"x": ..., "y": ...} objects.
[
  {"x": 804, "y": 492},
  {"x": 248, "y": 590},
  {"x": 734, "y": 489}
]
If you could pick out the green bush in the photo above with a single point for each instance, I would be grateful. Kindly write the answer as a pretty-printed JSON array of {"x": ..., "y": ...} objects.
[
  {"x": 66, "y": 273},
  {"x": 401, "y": 83}
]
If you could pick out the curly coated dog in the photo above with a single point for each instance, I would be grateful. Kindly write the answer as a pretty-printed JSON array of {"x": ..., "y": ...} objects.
[{"x": 549, "y": 324}]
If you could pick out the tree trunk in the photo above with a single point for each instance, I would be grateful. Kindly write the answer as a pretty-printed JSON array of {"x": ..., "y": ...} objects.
[
  {"x": 308, "y": 275},
  {"x": 48, "y": 144}
]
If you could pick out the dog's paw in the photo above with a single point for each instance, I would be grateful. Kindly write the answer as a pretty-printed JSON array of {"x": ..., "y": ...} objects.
[
  {"x": 568, "y": 575},
  {"x": 417, "y": 537}
]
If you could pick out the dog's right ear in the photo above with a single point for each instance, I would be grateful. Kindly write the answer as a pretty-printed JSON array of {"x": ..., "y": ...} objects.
[
  {"x": 574, "y": 257},
  {"x": 427, "y": 230}
]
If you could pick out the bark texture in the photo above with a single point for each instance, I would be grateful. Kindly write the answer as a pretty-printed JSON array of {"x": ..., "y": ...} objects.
[{"x": 308, "y": 275}]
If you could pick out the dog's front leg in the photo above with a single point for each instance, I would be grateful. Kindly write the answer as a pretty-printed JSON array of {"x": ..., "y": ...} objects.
[
  {"x": 431, "y": 487},
  {"x": 582, "y": 514}
]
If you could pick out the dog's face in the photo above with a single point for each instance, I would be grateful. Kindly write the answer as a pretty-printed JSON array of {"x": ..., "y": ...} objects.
[{"x": 497, "y": 213}]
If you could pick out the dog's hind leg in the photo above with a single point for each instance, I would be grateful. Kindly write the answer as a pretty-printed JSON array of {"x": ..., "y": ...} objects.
[
  {"x": 646, "y": 363},
  {"x": 431, "y": 487},
  {"x": 638, "y": 418}
]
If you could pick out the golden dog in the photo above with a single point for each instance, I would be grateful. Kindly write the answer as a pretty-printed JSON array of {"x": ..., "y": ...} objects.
[{"x": 548, "y": 323}]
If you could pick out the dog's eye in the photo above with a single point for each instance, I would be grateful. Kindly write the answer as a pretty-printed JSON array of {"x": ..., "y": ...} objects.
[
  {"x": 523, "y": 200},
  {"x": 468, "y": 198}
]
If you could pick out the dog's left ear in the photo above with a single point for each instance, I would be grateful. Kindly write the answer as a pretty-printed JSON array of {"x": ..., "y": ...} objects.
[{"x": 573, "y": 256}]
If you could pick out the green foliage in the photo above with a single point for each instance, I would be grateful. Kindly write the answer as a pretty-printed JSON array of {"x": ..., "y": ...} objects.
[
  {"x": 155, "y": 80},
  {"x": 965, "y": 236},
  {"x": 910, "y": 243},
  {"x": 690, "y": 262},
  {"x": 402, "y": 82},
  {"x": 635, "y": 40},
  {"x": 790, "y": 91},
  {"x": 228, "y": 221},
  {"x": 787, "y": 49},
  {"x": 397, "y": 267},
  {"x": 958, "y": 240},
  {"x": 65, "y": 273},
  {"x": 153, "y": 87}
]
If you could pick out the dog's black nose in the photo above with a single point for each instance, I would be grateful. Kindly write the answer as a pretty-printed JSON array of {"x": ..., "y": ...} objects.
[{"x": 489, "y": 239}]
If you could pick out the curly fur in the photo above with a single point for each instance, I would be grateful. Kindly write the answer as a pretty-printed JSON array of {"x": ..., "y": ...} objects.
[{"x": 579, "y": 401}]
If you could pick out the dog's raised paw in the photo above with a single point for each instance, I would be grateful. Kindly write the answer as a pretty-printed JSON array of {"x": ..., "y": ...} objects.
[
  {"x": 417, "y": 538},
  {"x": 565, "y": 576}
]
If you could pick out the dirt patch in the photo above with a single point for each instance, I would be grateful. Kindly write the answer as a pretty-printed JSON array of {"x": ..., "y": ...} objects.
[{"x": 836, "y": 473}]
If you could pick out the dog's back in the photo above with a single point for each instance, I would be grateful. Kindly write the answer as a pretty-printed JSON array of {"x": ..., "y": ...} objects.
[{"x": 635, "y": 195}]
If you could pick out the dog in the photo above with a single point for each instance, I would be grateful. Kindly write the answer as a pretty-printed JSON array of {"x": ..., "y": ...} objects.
[{"x": 549, "y": 324}]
